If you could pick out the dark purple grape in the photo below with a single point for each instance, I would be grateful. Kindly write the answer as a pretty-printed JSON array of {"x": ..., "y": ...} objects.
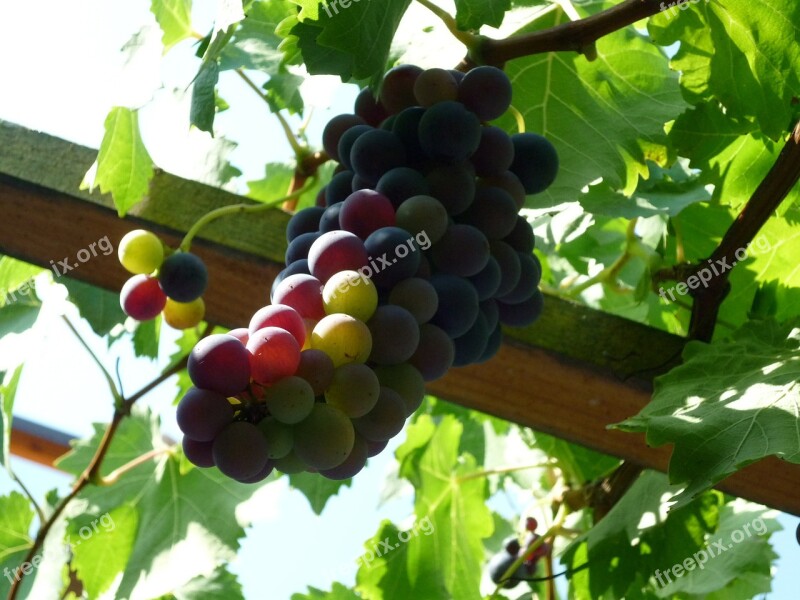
[
  {"x": 487, "y": 280},
  {"x": 406, "y": 128},
  {"x": 510, "y": 183},
  {"x": 183, "y": 277},
  {"x": 535, "y": 161},
  {"x": 201, "y": 414},
  {"x": 511, "y": 545},
  {"x": 352, "y": 465},
  {"x": 375, "y": 448},
  {"x": 510, "y": 268},
  {"x": 434, "y": 354},
  {"x": 470, "y": 347},
  {"x": 402, "y": 183},
  {"x": 406, "y": 381},
  {"x": 453, "y": 186},
  {"x": 494, "y": 154},
  {"x": 523, "y": 313},
  {"x": 493, "y": 211},
  {"x": 463, "y": 250},
  {"x": 330, "y": 218},
  {"x": 397, "y": 89},
  {"x": 198, "y": 453},
  {"x": 240, "y": 451},
  {"x": 491, "y": 312},
  {"x": 304, "y": 221},
  {"x": 395, "y": 335},
  {"x": 492, "y": 345},
  {"x": 336, "y": 251},
  {"x": 376, "y": 152},
  {"x": 346, "y": 143},
  {"x": 498, "y": 565},
  {"x": 530, "y": 275},
  {"x": 298, "y": 266},
  {"x": 458, "y": 304},
  {"x": 449, "y": 132},
  {"x": 334, "y": 130},
  {"x": 299, "y": 246},
  {"x": 339, "y": 188},
  {"x": 486, "y": 91},
  {"x": 368, "y": 108},
  {"x": 316, "y": 368},
  {"x": 303, "y": 293},
  {"x": 521, "y": 237},
  {"x": 417, "y": 296},
  {"x": 220, "y": 363},
  {"x": 435, "y": 85},
  {"x": 394, "y": 255},
  {"x": 366, "y": 211},
  {"x": 265, "y": 472}
]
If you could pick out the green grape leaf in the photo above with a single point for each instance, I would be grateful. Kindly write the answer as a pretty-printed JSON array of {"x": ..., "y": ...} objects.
[
  {"x": 283, "y": 92},
  {"x": 730, "y": 155},
  {"x": 101, "y": 546},
  {"x": 317, "y": 489},
  {"x": 729, "y": 404},
  {"x": 99, "y": 307},
  {"x": 338, "y": 592},
  {"x": 274, "y": 185},
  {"x": 178, "y": 537},
  {"x": 18, "y": 316},
  {"x": 16, "y": 279},
  {"x": 605, "y": 117},
  {"x": 16, "y": 518},
  {"x": 736, "y": 52},
  {"x": 578, "y": 463},
  {"x": 221, "y": 585},
  {"x": 445, "y": 549},
  {"x": 352, "y": 41},
  {"x": 8, "y": 392},
  {"x": 255, "y": 43},
  {"x": 145, "y": 338},
  {"x": 204, "y": 106},
  {"x": 471, "y": 14},
  {"x": 309, "y": 9},
  {"x": 175, "y": 19},
  {"x": 123, "y": 167}
]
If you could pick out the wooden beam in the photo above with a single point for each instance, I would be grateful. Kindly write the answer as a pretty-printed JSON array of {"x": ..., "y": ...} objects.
[
  {"x": 35, "y": 442},
  {"x": 553, "y": 376}
]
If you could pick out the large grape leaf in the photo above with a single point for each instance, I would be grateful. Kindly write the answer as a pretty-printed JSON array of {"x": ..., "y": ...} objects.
[
  {"x": 729, "y": 404},
  {"x": 221, "y": 585},
  {"x": 123, "y": 167},
  {"x": 255, "y": 43},
  {"x": 445, "y": 553},
  {"x": 99, "y": 307},
  {"x": 16, "y": 518},
  {"x": 338, "y": 592},
  {"x": 737, "y": 52},
  {"x": 187, "y": 522},
  {"x": 471, "y": 14},
  {"x": 605, "y": 117},
  {"x": 204, "y": 99},
  {"x": 351, "y": 42},
  {"x": 317, "y": 489},
  {"x": 175, "y": 19}
]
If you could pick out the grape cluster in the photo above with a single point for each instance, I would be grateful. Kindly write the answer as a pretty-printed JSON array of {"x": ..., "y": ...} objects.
[
  {"x": 411, "y": 259},
  {"x": 511, "y": 551},
  {"x": 171, "y": 285}
]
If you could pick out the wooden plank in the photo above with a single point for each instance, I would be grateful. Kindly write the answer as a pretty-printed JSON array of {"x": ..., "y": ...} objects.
[
  {"x": 578, "y": 371},
  {"x": 35, "y": 442}
]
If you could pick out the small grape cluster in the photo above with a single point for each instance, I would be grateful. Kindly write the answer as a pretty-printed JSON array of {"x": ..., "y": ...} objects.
[
  {"x": 501, "y": 562},
  {"x": 164, "y": 282},
  {"x": 408, "y": 264}
]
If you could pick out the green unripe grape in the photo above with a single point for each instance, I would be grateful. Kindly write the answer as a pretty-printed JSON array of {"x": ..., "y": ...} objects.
[
  {"x": 343, "y": 338},
  {"x": 280, "y": 439},
  {"x": 289, "y": 400},
  {"x": 140, "y": 252},
  {"x": 406, "y": 381},
  {"x": 290, "y": 464},
  {"x": 354, "y": 389},
  {"x": 324, "y": 440},
  {"x": 349, "y": 293}
]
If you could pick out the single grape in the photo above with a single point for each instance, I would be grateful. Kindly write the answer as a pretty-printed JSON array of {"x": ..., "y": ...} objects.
[
  {"x": 406, "y": 381},
  {"x": 334, "y": 131},
  {"x": 220, "y": 363},
  {"x": 523, "y": 313},
  {"x": 183, "y": 276},
  {"x": 397, "y": 89},
  {"x": 510, "y": 183},
  {"x": 368, "y": 108},
  {"x": 336, "y": 251},
  {"x": 449, "y": 132},
  {"x": 183, "y": 315},
  {"x": 394, "y": 255},
  {"x": 492, "y": 344},
  {"x": 201, "y": 414},
  {"x": 279, "y": 436},
  {"x": 343, "y": 338},
  {"x": 521, "y": 237},
  {"x": 406, "y": 128},
  {"x": 330, "y": 218},
  {"x": 402, "y": 183},
  {"x": 493, "y": 211},
  {"x": 198, "y": 453},
  {"x": 339, "y": 187},
  {"x": 140, "y": 251},
  {"x": 279, "y": 315},
  {"x": 435, "y": 85},
  {"x": 274, "y": 354},
  {"x": 375, "y": 448},
  {"x": 491, "y": 312},
  {"x": 366, "y": 211},
  {"x": 423, "y": 214},
  {"x": 487, "y": 280},
  {"x": 417, "y": 296},
  {"x": 346, "y": 144},
  {"x": 511, "y": 545},
  {"x": 530, "y": 275},
  {"x": 458, "y": 304},
  {"x": 434, "y": 354},
  {"x": 290, "y": 464},
  {"x": 385, "y": 420},
  {"x": 350, "y": 293},
  {"x": 376, "y": 152},
  {"x": 142, "y": 298},
  {"x": 463, "y": 250},
  {"x": 240, "y": 333},
  {"x": 494, "y": 154},
  {"x": 325, "y": 438},
  {"x": 304, "y": 221},
  {"x": 470, "y": 347},
  {"x": 316, "y": 368},
  {"x": 352, "y": 465},
  {"x": 486, "y": 91},
  {"x": 299, "y": 246},
  {"x": 510, "y": 268},
  {"x": 297, "y": 267},
  {"x": 499, "y": 564},
  {"x": 354, "y": 389},
  {"x": 395, "y": 335},
  {"x": 535, "y": 161},
  {"x": 265, "y": 472},
  {"x": 289, "y": 400},
  {"x": 453, "y": 186},
  {"x": 303, "y": 293},
  {"x": 240, "y": 450}
]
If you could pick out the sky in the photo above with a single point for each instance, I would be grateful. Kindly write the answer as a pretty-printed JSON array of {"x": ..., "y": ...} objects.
[{"x": 62, "y": 71}]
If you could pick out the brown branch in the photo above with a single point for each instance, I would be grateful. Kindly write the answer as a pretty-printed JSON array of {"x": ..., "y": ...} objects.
[
  {"x": 604, "y": 494},
  {"x": 306, "y": 168},
  {"x": 577, "y": 36}
]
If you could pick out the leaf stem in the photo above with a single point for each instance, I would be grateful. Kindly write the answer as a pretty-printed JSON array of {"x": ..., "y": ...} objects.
[
  {"x": 231, "y": 209},
  {"x": 466, "y": 38},
  {"x": 610, "y": 273},
  {"x": 503, "y": 470},
  {"x": 114, "y": 476},
  {"x": 111, "y": 385},
  {"x": 30, "y": 497}
]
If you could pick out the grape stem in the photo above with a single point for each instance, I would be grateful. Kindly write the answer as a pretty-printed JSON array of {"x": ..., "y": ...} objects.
[
  {"x": 118, "y": 400},
  {"x": 503, "y": 470},
  {"x": 114, "y": 476},
  {"x": 468, "y": 39},
  {"x": 91, "y": 475},
  {"x": 233, "y": 209},
  {"x": 610, "y": 273}
]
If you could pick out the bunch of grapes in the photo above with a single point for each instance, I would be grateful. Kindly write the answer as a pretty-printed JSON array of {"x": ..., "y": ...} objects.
[
  {"x": 511, "y": 551},
  {"x": 407, "y": 266},
  {"x": 171, "y": 285}
]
